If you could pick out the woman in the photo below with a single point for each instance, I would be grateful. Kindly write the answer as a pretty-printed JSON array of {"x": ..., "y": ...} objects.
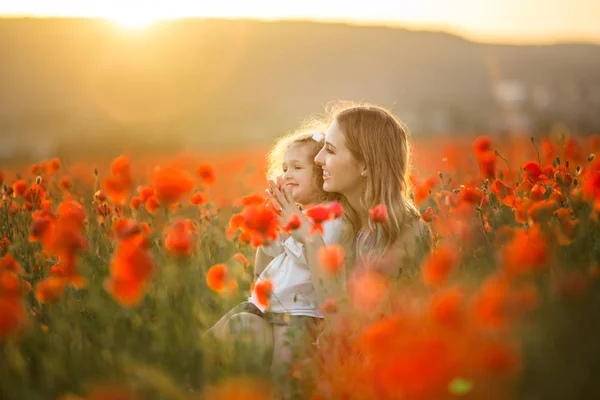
[{"x": 366, "y": 160}]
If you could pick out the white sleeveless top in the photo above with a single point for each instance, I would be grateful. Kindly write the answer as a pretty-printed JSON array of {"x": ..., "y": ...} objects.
[{"x": 293, "y": 290}]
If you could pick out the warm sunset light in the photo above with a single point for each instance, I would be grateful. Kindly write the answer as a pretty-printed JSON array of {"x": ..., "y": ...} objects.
[
  {"x": 509, "y": 20},
  {"x": 133, "y": 21},
  {"x": 299, "y": 199}
]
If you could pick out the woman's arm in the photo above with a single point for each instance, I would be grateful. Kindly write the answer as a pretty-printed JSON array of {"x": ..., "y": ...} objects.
[
  {"x": 408, "y": 252},
  {"x": 326, "y": 286}
]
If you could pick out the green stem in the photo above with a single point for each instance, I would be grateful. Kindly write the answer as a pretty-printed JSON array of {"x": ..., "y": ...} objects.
[
  {"x": 505, "y": 160},
  {"x": 536, "y": 150}
]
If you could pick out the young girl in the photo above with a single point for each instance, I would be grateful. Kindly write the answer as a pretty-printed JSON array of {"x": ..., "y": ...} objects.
[{"x": 293, "y": 305}]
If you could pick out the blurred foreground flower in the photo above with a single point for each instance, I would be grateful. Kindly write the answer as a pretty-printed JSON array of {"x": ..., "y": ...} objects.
[
  {"x": 131, "y": 269},
  {"x": 239, "y": 388}
]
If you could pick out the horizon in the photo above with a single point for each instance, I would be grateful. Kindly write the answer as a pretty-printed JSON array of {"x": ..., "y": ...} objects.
[
  {"x": 486, "y": 21},
  {"x": 522, "y": 41}
]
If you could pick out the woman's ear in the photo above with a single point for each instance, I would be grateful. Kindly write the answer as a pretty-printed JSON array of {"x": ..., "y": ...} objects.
[{"x": 364, "y": 171}]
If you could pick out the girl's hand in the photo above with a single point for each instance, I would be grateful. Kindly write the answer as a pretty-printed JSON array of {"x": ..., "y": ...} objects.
[{"x": 281, "y": 200}]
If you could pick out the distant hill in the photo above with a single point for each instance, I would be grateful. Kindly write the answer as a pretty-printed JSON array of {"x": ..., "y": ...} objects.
[{"x": 214, "y": 81}]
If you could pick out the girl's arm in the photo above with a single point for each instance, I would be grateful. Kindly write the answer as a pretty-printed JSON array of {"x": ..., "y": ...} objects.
[
  {"x": 261, "y": 261},
  {"x": 326, "y": 286}
]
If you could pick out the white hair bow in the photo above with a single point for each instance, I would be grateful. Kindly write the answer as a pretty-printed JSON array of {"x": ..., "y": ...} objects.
[{"x": 318, "y": 136}]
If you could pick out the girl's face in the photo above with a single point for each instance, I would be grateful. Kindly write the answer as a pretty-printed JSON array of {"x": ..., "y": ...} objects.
[
  {"x": 298, "y": 174},
  {"x": 341, "y": 171}
]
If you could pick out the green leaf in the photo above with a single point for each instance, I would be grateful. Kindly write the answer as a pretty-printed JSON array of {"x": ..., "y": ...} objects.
[{"x": 460, "y": 386}]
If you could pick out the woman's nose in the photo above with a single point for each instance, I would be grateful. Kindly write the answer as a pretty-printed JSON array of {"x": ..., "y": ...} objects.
[{"x": 319, "y": 158}]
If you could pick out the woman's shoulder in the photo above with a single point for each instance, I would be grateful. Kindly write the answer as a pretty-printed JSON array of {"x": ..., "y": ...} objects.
[
  {"x": 408, "y": 250},
  {"x": 415, "y": 236},
  {"x": 416, "y": 226}
]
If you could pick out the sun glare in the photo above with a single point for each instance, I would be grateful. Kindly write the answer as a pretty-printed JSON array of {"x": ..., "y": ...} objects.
[{"x": 133, "y": 21}]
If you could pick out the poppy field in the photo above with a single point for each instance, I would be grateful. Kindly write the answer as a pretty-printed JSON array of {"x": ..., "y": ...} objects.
[{"x": 111, "y": 270}]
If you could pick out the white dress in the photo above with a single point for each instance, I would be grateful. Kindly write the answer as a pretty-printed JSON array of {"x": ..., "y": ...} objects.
[{"x": 293, "y": 289}]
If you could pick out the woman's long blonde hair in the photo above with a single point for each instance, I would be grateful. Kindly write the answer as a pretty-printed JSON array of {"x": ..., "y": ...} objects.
[{"x": 377, "y": 138}]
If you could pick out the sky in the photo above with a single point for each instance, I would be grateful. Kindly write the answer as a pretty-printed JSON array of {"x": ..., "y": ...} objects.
[{"x": 518, "y": 21}]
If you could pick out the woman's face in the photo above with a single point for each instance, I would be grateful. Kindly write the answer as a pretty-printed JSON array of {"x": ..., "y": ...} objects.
[{"x": 341, "y": 171}]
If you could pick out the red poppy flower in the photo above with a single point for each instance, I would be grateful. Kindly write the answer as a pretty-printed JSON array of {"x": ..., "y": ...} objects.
[
  {"x": 293, "y": 223},
  {"x": 215, "y": 277},
  {"x": 487, "y": 165},
  {"x": 482, "y": 144},
  {"x": 54, "y": 165},
  {"x": 428, "y": 214},
  {"x": 378, "y": 214},
  {"x": 331, "y": 258},
  {"x": 533, "y": 171},
  {"x": 335, "y": 209},
  {"x": 263, "y": 290},
  {"x": 527, "y": 252},
  {"x": 206, "y": 173},
  {"x": 179, "y": 238},
  {"x": 438, "y": 265},
  {"x": 50, "y": 289},
  {"x": 242, "y": 259},
  {"x": 171, "y": 184},
  {"x": 197, "y": 200}
]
